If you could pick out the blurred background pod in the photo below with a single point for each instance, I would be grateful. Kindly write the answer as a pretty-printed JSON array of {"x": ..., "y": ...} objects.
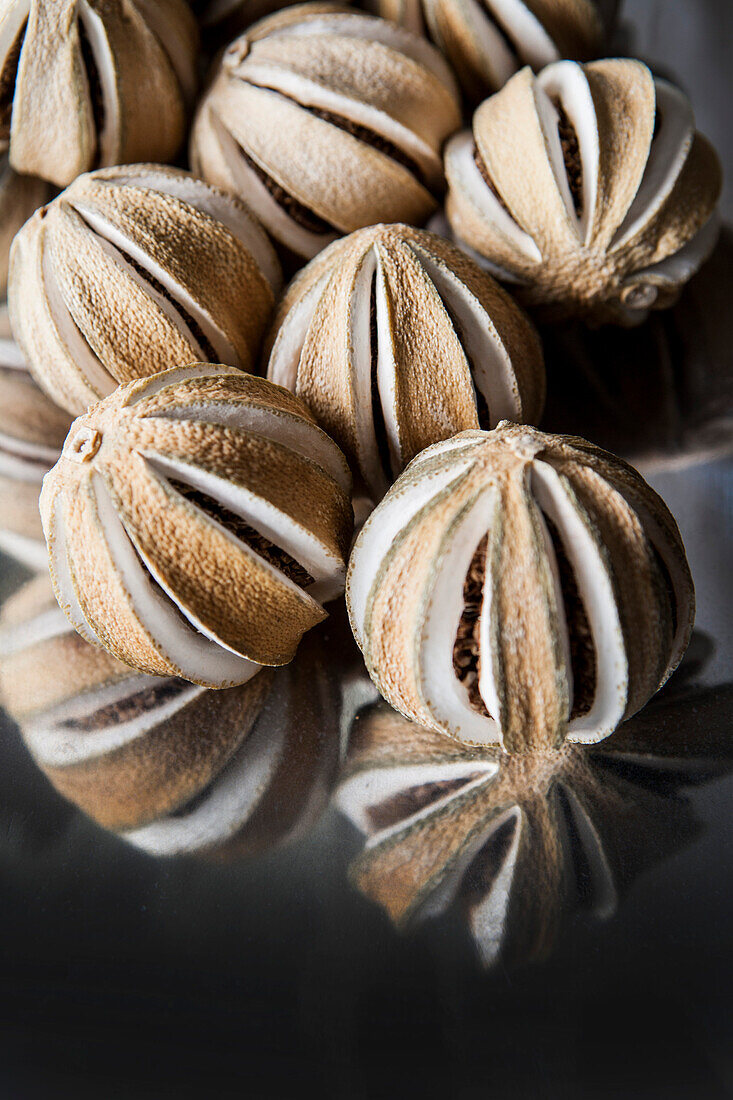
[
  {"x": 20, "y": 196},
  {"x": 32, "y": 433},
  {"x": 135, "y": 269},
  {"x": 396, "y": 340},
  {"x": 170, "y": 766},
  {"x": 517, "y": 844},
  {"x": 89, "y": 83},
  {"x": 325, "y": 120},
  {"x": 588, "y": 189},
  {"x": 487, "y": 42}
]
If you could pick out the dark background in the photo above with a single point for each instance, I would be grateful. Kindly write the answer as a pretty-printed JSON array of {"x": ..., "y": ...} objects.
[{"x": 125, "y": 977}]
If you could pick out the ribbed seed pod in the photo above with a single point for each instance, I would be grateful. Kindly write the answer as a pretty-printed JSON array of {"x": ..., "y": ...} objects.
[
  {"x": 19, "y": 197},
  {"x": 133, "y": 270},
  {"x": 32, "y": 433},
  {"x": 587, "y": 187},
  {"x": 396, "y": 340},
  {"x": 487, "y": 41},
  {"x": 515, "y": 842},
  {"x": 522, "y": 588},
  {"x": 171, "y": 766},
  {"x": 326, "y": 120},
  {"x": 90, "y": 83},
  {"x": 125, "y": 747},
  {"x": 196, "y": 521}
]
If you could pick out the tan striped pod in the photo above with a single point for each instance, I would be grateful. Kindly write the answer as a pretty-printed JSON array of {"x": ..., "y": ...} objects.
[
  {"x": 588, "y": 189},
  {"x": 170, "y": 766},
  {"x": 520, "y": 588},
  {"x": 396, "y": 340},
  {"x": 326, "y": 120},
  {"x": 501, "y": 837},
  {"x": 196, "y": 522},
  {"x": 133, "y": 270},
  {"x": 32, "y": 433},
  {"x": 90, "y": 83},
  {"x": 487, "y": 41}
]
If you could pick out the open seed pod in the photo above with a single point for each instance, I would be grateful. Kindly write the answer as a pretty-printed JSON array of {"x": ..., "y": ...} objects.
[
  {"x": 396, "y": 340},
  {"x": 133, "y": 270},
  {"x": 196, "y": 522},
  {"x": 487, "y": 42},
  {"x": 125, "y": 747},
  {"x": 587, "y": 187},
  {"x": 169, "y": 765},
  {"x": 19, "y": 197},
  {"x": 516, "y": 843},
  {"x": 326, "y": 120},
  {"x": 522, "y": 588},
  {"x": 90, "y": 83},
  {"x": 32, "y": 433}
]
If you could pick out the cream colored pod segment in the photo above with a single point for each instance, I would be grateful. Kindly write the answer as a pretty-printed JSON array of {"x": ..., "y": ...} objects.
[
  {"x": 487, "y": 41},
  {"x": 32, "y": 433},
  {"x": 588, "y": 189},
  {"x": 395, "y": 340},
  {"x": 521, "y": 588},
  {"x": 20, "y": 196},
  {"x": 196, "y": 523},
  {"x": 90, "y": 83},
  {"x": 133, "y": 270},
  {"x": 126, "y": 748},
  {"x": 326, "y": 120}
]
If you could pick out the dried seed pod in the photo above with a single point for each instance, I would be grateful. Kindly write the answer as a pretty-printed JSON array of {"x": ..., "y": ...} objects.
[
  {"x": 125, "y": 747},
  {"x": 587, "y": 187},
  {"x": 195, "y": 522},
  {"x": 19, "y": 197},
  {"x": 522, "y": 588},
  {"x": 327, "y": 120},
  {"x": 395, "y": 340},
  {"x": 32, "y": 433},
  {"x": 169, "y": 765},
  {"x": 90, "y": 83},
  {"x": 487, "y": 42},
  {"x": 515, "y": 842},
  {"x": 133, "y": 270}
]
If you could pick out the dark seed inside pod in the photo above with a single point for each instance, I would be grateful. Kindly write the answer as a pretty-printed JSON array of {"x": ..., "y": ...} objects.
[
  {"x": 292, "y": 207},
  {"x": 7, "y": 83},
  {"x": 95, "y": 88},
  {"x": 571, "y": 156},
  {"x": 409, "y": 802},
  {"x": 194, "y": 328},
  {"x": 481, "y": 165},
  {"x": 124, "y": 710},
  {"x": 466, "y": 658},
  {"x": 582, "y": 646},
  {"x": 380, "y": 428},
  {"x": 241, "y": 530}
]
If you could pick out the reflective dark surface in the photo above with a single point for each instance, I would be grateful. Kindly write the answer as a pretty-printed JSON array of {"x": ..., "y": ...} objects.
[{"x": 483, "y": 930}]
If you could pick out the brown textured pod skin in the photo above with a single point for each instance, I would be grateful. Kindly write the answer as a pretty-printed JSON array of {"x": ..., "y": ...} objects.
[
  {"x": 171, "y": 757},
  {"x": 460, "y": 28},
  {"x": 376, "y": 311},
  {"x": 629, "y": 575},
  {"x": 122, "y": 532},
  {"x": 80, "y": 78},
  {"x": 647, "y": 193},
  {"x": 132, "y": 270},
  {"x": 326, "y": 120}
]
